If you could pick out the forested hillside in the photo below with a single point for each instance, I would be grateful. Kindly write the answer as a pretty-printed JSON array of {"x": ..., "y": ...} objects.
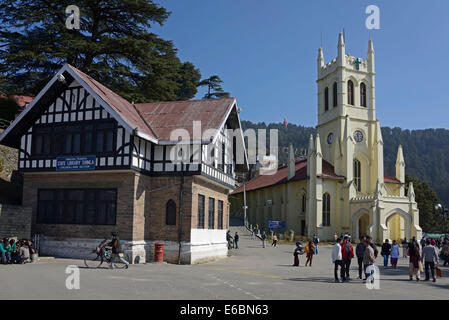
[{"x": 426, "y": 152}]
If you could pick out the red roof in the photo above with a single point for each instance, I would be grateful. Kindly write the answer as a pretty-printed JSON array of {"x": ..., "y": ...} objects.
[
  {"x": 164, "y": 117},
  {"x": 124, "y": 108},
  {"x": 280, "y": 177},
  {"x": 388, "y": 179},
  {"x": 159, "y": 119}
]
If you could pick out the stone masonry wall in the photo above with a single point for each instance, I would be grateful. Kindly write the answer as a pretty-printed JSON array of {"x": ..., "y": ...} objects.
[{"x": 15, "y": 221}]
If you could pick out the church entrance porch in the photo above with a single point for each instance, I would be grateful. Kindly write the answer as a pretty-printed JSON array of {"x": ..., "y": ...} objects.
[{"x": 396, "y": 227}]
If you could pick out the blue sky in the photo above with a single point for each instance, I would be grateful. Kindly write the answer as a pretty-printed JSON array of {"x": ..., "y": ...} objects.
[{"x": 265, "y": 52}]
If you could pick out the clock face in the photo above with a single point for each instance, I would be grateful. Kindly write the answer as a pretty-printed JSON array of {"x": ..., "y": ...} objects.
[
  {"x": 358, "y": 136},
  {"x": 330, "y": 138}
]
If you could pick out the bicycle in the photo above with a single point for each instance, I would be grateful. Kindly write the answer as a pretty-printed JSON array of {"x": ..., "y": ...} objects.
[{"x": 102, "y": 254}]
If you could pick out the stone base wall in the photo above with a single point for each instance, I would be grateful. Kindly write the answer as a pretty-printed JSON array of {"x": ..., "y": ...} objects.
[
  {"x": 137, "y": 251},
  {"x": 76, "y": 248},
  {"x": 15, "y": 221}
]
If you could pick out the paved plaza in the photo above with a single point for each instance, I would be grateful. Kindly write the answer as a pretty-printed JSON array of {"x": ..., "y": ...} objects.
[{"x": 249, "y": 273}]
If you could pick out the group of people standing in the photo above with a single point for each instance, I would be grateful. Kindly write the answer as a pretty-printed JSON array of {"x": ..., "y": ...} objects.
[
  {"x": 13, "y": 251},
  {"x": 233, "y": 242},
  {"x": 366, "y": 253}
]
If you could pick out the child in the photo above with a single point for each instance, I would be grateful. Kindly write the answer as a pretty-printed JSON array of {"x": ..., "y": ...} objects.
[
  {"x": 299, "y": 250},
  {"x": 310, "y": 251}
]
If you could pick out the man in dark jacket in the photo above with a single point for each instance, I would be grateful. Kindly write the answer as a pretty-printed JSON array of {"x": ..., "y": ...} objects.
[
  {"x": 116, "y": 250},
  {"x": 359, "y": 251},
  {"x": 386, "y": 251}
]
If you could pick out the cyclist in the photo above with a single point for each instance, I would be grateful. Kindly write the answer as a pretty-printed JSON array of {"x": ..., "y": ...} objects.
[{"x": 116, "y": 250}]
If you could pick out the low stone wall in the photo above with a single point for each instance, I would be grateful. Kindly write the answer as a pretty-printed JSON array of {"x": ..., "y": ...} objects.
[
  {"x": 15, "y": 221},
  {"x": 137, "y": 251}
]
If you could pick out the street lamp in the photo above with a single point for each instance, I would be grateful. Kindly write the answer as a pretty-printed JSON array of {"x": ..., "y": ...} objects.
[{"x": 444, "y": 212}]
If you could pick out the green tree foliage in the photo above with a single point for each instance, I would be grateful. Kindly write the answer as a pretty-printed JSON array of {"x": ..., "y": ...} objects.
[
  {"x": 114, "y": 45},
  {"x": 429, "y": 220},
  {"x": 214, "y": 88}
]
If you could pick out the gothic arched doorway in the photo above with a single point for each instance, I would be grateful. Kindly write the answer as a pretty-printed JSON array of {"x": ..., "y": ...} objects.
[
  {"x": 363, "y": 225},
  {"x": 396, "y": 227}
]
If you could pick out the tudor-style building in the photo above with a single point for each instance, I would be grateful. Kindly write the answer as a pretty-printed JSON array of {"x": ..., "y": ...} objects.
[{"x": 94, "y": 163}]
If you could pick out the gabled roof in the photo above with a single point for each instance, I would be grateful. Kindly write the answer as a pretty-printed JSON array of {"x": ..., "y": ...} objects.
[
  {"x": 164, "y": 117},
  {"x": 280, "y": 176},
  {"x": 150, "y": 121}
]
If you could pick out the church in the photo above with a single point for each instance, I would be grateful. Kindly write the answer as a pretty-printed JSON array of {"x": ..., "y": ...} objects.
[{"x": 341, "y": 186}]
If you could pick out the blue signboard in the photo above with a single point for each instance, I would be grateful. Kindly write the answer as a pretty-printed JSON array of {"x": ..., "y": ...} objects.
[
  {"x": 75, "y": 163},
  {"x": 276, "y": 224}
]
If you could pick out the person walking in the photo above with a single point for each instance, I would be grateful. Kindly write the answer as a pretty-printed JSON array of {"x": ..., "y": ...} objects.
[
  {"x": 315, "y": 241},
  {"x": 359, "y": 252},
  {"x": 299, "y": 250},
  {"x": 117, "y": 250},
  {"x": 230, "y": 240},
  {"x": 415, "y": 265},
  {"x": 430, "y": 259},
  {"x": 337, "y": 260},
  {"x": 310, "y": 250},
  {"x": 347, "y": 252},
  {"x": 386, "y": 251},
  {"x": 236, "y": 241},
  {"x": 275, "y": 239},
  {"x": 263, "y": 237},
  {"x": 394, "y": 254},
  {"x": 404, "y": 248},
  {"x": 368, "y": 258}
]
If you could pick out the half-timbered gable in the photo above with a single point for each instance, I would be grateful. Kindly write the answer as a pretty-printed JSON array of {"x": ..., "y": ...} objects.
[{"x": 74, "y": 124}]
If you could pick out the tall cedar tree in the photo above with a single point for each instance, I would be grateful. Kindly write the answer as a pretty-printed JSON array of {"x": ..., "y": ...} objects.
[
  {"x": 114, "y": 46},
  {"x": 213, "y": 83}
]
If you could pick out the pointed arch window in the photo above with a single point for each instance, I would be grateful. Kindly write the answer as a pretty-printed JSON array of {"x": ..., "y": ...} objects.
[
  {"x": 326, "y": 99},
  {"x": 350, "y": 92},
  {"x": 326, "y": 210},
  {"x": 335, "y": 94},
  {"x": 363, "y": 95},
  {"x": 303, "y": 203},
  {"x": 357, "y": 175},
  {"x": 170, "y": 213}
]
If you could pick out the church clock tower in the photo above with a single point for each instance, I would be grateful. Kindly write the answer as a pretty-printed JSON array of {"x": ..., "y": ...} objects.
[{"x": 350, "y": 134}]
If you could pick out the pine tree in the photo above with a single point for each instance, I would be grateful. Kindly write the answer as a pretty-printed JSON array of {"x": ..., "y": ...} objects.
[
  {"x": 114, "y": 45},
  {"x": 213, "y": 83}
]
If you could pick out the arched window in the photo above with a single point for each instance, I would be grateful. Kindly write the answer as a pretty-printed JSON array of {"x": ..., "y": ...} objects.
[
  {"x": 303, "y": 203},
  {"x": 326, "y": 99},
  {"x": 326, "y": 210},
  {"x": 335, "y": 95},
  {"x": 350, "y": 92},
  {"x": 170, "y": 213},
  {"x": 357, "y": 175},
  {"x": 363, "y": 95}
]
